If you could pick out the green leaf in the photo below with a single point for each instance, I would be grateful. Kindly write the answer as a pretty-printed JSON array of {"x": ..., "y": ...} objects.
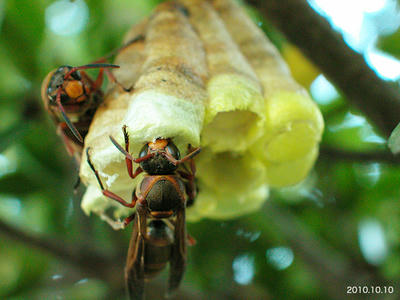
[{"x": 391, "y": 44}]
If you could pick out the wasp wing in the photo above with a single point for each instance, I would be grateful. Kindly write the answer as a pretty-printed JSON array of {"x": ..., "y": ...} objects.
[
  {"x": 178, "y": 259},
  {"x": 134, "y": 269}
]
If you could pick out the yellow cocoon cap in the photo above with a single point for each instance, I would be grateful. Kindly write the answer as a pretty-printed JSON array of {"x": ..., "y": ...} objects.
[
  {"x": 216, "y": 205},
  {"x": 230, "y": 185},
  {"x": 293, "y": 128},
  {"x": 234, "y": 117},
  {"x": 294, "y": 124},
  {"x": 291, "y": 172}
]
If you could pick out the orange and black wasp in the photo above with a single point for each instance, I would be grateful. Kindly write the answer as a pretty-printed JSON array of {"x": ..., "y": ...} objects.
[{"x": 71, "y": 98}]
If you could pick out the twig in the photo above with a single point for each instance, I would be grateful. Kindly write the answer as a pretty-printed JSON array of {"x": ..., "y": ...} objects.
[
  {"x": 354, "y": 156},
  {"x": 376, "y": 98}
]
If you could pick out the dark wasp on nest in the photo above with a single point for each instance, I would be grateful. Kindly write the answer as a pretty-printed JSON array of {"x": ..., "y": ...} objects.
[{"x": 159, "y": 232}]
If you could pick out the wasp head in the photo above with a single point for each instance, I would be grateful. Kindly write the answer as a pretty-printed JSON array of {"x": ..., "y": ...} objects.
[
  {"x": 68, "y": 84},
  {"x": 158, "y": 163}
]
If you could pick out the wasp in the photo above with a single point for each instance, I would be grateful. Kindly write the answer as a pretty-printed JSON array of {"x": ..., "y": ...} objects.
[
  {"x": 71, "y": 97},
  {"x": 162, "y": 195}
]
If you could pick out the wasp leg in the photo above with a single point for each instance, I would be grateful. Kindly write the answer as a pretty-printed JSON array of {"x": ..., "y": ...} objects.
[
  {"x": 99, "y": 80},
  {"x": 115, "y": 224},
  {"x": 117, "y": 198},
  {"x": 90, "y": 66},
  {"x": 114, "y": 80},
  {"x": 134, "y": 269},
  {"x": 138, "y": 38},
  {"x": 128, "y": 220},
  {"x": 190, "y": 185},
  {"x": 106, "y": 192},
  {"x": 96, "y": 85},
  {"x": 104, "y": 67},
  {"x": 109, "y": 74},
  {"x": 128, "y": 161},
  {"x": 178, "y": 259}
]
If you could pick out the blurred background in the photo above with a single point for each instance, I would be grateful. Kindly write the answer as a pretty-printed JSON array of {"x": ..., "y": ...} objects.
[{"x": 338, "y": 228}]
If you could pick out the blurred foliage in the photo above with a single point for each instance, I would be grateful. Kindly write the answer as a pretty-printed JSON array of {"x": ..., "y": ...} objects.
[
  {"x": 318, "y": 220},
  {"x": 390, "y": 44}
]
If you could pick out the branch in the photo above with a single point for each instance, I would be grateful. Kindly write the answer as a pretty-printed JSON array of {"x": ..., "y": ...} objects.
[
  {"x": 377, "y": 156},
  {"x": 85, "y": 259},
  {"x": 330, "y": 266},
  {"x": 347, "y": 69}
]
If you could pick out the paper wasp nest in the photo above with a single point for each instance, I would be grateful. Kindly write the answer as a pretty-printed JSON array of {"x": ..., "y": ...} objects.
[{"x": 205, "y": 75}]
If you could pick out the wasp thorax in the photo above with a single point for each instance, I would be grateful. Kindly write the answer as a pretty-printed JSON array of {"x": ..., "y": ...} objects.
[
  {"x": 163, "y": 197},
  {"x": 159, "y": 164}
]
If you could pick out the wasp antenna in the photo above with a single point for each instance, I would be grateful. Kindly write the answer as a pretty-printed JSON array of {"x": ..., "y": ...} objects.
[
  {"x": 137, "y": 38},
  {"x": 146, "y": 157},
  {"x": 91, "y": 66},
  {"x": 191, "y": 154},
  {"x": 171, "y": 159},
  {"x": 97, "y": 65},
  {"x": 119, "y": 147},
  {"x": 66, "y": 119}
]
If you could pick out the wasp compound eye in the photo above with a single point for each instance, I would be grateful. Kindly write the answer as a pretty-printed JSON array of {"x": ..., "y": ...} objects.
[
  {"x": 173, "y": 150},
  {"x": 64, "y": 69},
  {"x": 144, "y": 151},
  {"x": 76, "y": 75}
]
